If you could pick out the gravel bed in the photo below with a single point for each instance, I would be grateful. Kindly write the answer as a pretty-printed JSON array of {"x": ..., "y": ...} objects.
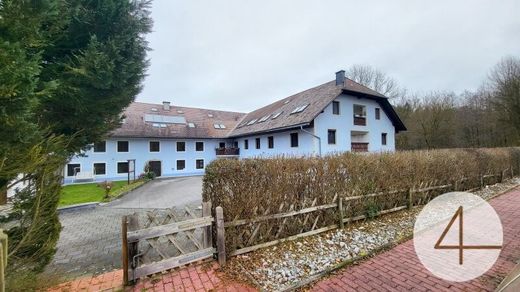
[{"x": 278, "y": 267}]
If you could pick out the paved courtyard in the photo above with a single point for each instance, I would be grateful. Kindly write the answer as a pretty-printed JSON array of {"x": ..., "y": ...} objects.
[
  {"x": 90, "y": 242},
  {"x": 399, "y": 269}
]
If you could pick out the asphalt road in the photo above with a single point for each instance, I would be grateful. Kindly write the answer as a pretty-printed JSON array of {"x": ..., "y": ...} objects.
[
  {"x": 163, "y": 193},
  {"x": 90, "y": 241}
]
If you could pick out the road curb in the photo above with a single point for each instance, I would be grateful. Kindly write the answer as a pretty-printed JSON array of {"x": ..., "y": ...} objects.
[{"x": 89, "y": 205}]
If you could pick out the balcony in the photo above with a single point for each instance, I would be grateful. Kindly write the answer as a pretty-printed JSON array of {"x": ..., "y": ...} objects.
[
  {"x": 360, "y": 121},
  {"x": 227, "y": 151}
]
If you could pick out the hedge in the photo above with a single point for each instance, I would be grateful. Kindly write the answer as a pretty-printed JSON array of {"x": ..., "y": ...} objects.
[{"x": 248, "y": 188}]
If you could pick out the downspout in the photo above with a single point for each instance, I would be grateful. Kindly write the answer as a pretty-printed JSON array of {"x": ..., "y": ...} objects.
[{"x": 319, "y": 139}]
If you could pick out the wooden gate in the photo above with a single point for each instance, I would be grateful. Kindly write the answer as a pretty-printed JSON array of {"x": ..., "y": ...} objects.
[{"x": 164, "y": 239}]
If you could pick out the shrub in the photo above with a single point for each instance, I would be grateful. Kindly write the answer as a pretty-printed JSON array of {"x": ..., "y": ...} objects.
[{"x": 249, "y": 188}]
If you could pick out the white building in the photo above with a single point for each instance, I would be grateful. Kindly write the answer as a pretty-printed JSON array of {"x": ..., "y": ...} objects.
[{"x": 338, "y": 116}]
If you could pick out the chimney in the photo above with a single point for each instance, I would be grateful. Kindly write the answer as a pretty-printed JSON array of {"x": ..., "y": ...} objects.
[
  {"x": 340, "y": 77},
  {"x": 166, "y": 105}
]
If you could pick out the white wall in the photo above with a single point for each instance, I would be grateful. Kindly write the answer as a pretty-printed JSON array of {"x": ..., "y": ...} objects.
[
  {"x": 344, "y": 124},
  {"x": 282, "y": 145},
  {"x": 139, "y": 150}
]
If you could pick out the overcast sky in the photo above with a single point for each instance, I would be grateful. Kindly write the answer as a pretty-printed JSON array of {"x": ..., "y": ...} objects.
[{"x": 241, "y": 55}]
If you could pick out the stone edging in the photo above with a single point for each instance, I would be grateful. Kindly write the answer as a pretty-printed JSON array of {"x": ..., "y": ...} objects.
[
  {"x": 328, "y": 271},
  {"x": 78, "y": 207}
]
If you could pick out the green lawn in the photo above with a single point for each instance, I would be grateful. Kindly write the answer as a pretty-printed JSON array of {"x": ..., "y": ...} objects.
[{"x": 83, "y": 193}]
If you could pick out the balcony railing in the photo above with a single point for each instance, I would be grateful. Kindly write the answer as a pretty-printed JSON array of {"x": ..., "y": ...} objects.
[
  {"x": 360, "y": 121},
  {"x": 231, "y": 151},
  {"x": 359, "y": 147}
]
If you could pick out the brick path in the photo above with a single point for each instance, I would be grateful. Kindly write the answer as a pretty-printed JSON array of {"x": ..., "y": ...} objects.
[
  {"x": 192, "y": 278},
  {"x": 399, "y": 269}
]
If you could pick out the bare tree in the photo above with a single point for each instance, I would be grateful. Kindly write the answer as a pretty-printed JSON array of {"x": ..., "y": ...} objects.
[
  {"x": 504, "y": 83},
  {"x": 375, "y": 79}
]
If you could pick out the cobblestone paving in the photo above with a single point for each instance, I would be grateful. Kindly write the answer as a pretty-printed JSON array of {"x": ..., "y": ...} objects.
[
  {"x": 190, "y": 278},
  {"x": 90, "y": 241}
]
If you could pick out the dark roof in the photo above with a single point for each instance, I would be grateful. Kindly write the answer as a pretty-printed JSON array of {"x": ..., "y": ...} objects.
[
  {"x": 273, "y": 117},
  {"x": 203, "y": 119},
  {"x": 317, "y": 98}
]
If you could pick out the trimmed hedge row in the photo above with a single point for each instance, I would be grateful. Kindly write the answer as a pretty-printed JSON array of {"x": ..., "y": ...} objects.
[{"x": 248, "y": 188}]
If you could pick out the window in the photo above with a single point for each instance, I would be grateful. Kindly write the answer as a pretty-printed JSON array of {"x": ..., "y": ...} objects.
[
  {"x": 199, "y": 164},
  {"x": 122, "y": 146},
  {"x": 100, "y": 168},
  {"x": 122, "y": 167},
  {"x": 199, "y": 146},
  {"x": 235, "y": 144},
  {"x": 294, "y": 140},
  {"x": 277, "y": 115},
  {"x": 100, "y": 146},
  {"x": 181, "y": 146},
  {"x": 332, "y": 136},
  {"x": 360, "y": 115},
  {"x": 155, "y": 146},
  {"x": 378, "y": 113},
  {"x": 299, "y": 109},
  {"x": 181, "y": 164},
  {"x": 257, "y": 143},
  {"x": 270, "y": 142},
  {"x": 222, "y": 145},
  {"x": 264, "y": 118},
  {"x": 335, "y": 107},
  {"x": 73, "y": 168},
  {"x": 383, "y": 138},
  {"x": 246, "y": 144}
]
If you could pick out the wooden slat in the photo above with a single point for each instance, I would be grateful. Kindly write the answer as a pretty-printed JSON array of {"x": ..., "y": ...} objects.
[
  {"x": 351, "y": 198},
  {"x": 308, "y": 233},
  {"x": 162, "y": 230},
  {"x": 280, "y": 215},
  {"x": 171, "y": 263},
  {"x": 270, "y": 243}
]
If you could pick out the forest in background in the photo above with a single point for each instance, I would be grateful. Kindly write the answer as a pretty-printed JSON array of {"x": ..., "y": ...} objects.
[{"x": 486, "y": 117}]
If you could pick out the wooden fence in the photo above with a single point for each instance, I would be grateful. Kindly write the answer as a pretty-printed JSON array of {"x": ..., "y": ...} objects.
[
  {"x": 267, "y": 229},
  {"x": 3, "y": 259},
  {"x": 164, "y": 241}
]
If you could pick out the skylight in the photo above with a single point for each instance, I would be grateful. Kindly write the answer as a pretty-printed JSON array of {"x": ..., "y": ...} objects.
[
  {"x": 191, "y": 125},
  {"x": 180, "y": 112},
  {"x": 299, "y": 109},
  {"x": 251, "y": 122},
  {"x": 277, "y": 115},
  {"x": 210, "y": 115},
  {"x": 219, "y": 126},
  {"x": 164, "y": 119},
  {"x": 264, "y": 118},
  {"x": 154, "y": 109}
]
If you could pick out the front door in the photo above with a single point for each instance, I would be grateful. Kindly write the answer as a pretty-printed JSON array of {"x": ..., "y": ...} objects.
[{"x": 155, "y": 166}]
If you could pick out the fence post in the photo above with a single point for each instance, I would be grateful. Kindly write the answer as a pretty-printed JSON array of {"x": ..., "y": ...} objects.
[
  {"x": 221, "y": 238},
  {"x": 410, "y": 198},
  {"x": 124, "y": 249},
  {"x": 3, "y": 259},
  {"x": 133, "y": 248},
  {"x": 481, "y": 181},
  {"x": 206, "y": 235},
  {"x": 340, "y": 207}
]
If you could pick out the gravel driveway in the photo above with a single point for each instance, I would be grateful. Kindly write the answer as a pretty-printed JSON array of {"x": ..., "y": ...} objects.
[{"x": 90, "y": 241}]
